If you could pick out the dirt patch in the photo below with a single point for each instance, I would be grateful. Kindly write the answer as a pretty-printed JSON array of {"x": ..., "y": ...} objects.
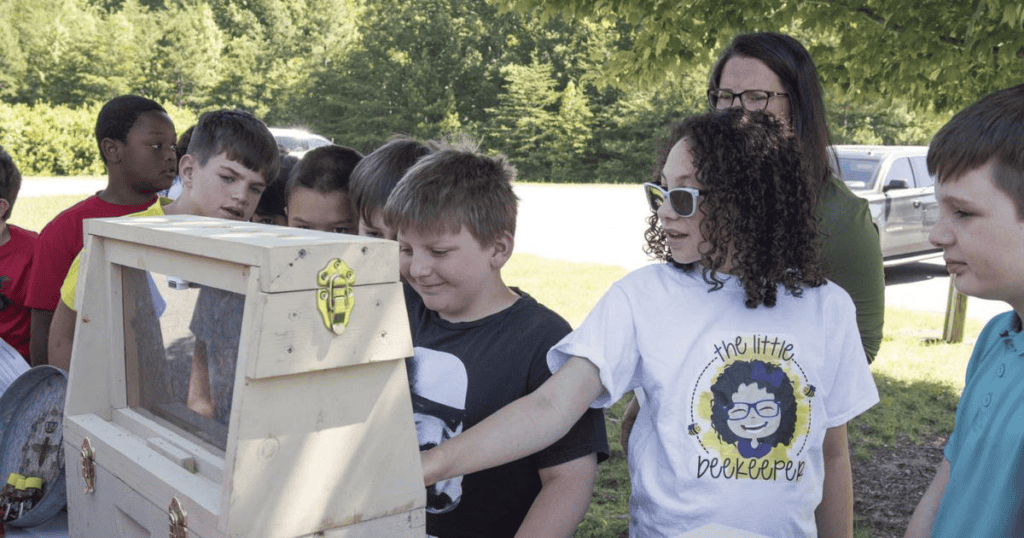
[{"x": 888, "y": 485}]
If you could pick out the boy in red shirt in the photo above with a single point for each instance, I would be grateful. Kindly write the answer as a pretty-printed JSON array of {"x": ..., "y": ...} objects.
[
  {"x": 136, "y": 140},
  {"x": 16, "y": 248}
]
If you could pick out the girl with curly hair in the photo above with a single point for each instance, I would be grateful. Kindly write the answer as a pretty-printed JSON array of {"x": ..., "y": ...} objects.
[{"x": 740, "y": 306}]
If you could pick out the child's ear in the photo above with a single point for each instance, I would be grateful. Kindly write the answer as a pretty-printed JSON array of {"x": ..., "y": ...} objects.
[
  {"x": 111, "y": 150},
  {"x": 501, "y": 250},
  {"x": 4, "y": 206},
  {"x": 186, "y": 169}
]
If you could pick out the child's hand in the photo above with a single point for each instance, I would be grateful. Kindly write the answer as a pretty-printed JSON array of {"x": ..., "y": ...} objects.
[{"x": 626, "y": 425}]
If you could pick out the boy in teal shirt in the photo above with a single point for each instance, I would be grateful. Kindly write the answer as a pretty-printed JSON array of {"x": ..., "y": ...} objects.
[{"x": 978, "y": 158}]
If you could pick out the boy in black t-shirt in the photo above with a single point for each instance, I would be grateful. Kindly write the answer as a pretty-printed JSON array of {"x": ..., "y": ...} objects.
[{"x": 479, "y": 345}]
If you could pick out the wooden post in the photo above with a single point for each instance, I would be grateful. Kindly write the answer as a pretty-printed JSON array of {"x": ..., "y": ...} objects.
[{"x": 956, "y": 313}]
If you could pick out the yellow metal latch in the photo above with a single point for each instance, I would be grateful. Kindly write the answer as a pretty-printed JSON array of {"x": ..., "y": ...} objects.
[{"x": 335, "y": 298}]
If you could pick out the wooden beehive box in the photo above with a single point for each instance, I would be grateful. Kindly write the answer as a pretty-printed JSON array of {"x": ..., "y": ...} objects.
[{"x": 319, "y": 437}]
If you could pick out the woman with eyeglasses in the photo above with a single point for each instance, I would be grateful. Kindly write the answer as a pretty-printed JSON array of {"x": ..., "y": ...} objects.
[
  {"x": 775, "y": 73},
  {"x": 750, "y": 359}
]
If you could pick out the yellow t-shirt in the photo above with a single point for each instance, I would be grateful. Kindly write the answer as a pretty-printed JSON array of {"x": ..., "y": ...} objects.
[{"x": 70, "y": 286}]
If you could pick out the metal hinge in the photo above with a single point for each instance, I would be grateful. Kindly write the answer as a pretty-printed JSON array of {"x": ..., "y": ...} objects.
[
  {"x": 178, "y": 520},
  {"x": 88, "y": 457}
]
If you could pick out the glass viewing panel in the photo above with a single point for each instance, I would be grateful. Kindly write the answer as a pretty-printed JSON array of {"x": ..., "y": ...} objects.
[{"x": 181, "y": 348}]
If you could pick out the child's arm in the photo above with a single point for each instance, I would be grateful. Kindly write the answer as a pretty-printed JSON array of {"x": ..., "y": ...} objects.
[
  {"x": 626, "y": 426},
  {"x": 564, "y": 496},
  {"x": 39, "y": 336},
  {"x": 923, "y": 520},
  {"x": 519, "y": 429},
  {"x": 200, "y": 399},
  {"x": 834, "y": 515},
  {"x": 62, "y": 336}
]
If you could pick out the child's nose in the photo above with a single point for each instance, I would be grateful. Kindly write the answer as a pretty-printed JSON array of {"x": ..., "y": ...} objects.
[
  {"x": 940, "y": 236},
  {"x": 419, "y": 266},
  {"x": 666, "y": 212}
]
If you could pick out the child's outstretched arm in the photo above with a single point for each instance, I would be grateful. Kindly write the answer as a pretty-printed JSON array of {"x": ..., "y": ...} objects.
[
  {"x": 564, "y": 496},
  {"x": 62, "y": 336},
  {"x": 834, "y": 515},
  {"x": 519, "y": 429},
  {"x": 923, "y": 520}
]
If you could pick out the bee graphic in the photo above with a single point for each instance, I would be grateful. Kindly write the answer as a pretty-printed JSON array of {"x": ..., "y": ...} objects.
[
  {"x": 809, "y": 391},
  {"x": 694, "y": 429}
]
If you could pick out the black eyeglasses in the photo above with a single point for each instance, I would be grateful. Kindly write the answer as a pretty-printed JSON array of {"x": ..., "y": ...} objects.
[
  {"x": 752, "y": 100},
  {"x": 682, "y": 200},
  {"x": 763, "y": 408}
]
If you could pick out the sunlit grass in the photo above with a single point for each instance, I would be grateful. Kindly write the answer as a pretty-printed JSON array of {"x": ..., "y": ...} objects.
[
  {"x": 32, "y": 213},
  {"x": 571, "y": 289}
]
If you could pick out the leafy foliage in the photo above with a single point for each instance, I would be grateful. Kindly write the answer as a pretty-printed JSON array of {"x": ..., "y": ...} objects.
[
  {"x": 570, "y": 90},
  {"x": 57, "y": 140},
  {"x": 869, "y": 49}
]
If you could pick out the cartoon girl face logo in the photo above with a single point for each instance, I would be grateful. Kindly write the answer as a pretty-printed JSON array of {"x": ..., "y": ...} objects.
[{"x": 754, "y": 407}]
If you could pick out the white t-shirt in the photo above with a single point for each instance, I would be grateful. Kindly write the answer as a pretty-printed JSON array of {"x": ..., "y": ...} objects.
[{"x": 752, "y": 459}]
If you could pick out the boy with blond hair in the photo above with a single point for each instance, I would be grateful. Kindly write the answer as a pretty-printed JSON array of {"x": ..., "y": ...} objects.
[
  {"x": 478, "y": 345},
  {"x": 231, "y": 158},
  {"x": 978, "y": 158}
]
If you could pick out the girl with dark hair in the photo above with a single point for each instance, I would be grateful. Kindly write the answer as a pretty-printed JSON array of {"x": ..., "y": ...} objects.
[{"x": 750, "y": 360}]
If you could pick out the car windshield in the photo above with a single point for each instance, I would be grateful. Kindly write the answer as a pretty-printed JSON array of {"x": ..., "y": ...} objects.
[
  {"x": 858, "y": 172},
  {"x": 305, "y": 143}
]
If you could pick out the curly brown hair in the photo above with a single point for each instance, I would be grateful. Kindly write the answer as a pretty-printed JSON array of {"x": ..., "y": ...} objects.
[{"x": 758, "y": 207}]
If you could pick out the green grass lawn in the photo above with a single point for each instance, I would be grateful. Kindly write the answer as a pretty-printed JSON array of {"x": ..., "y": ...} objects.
[
  {"x": 33, "y": 213},
  {"x": 919, "y": 381}
]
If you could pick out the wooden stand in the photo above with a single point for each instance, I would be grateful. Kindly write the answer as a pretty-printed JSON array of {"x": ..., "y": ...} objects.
[
  {"x": 320, "y": 439},
  {"x": 956, "y": 314}
]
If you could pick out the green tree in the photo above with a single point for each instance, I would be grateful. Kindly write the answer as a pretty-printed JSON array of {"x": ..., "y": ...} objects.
[
  {"x": 935, "y": 54},
  {"x": 572, "y": 135},
  {"x": 186, "y": 61},
  {"x": 524, "y": 125},
  {"x": 630, "y": 129},
  {"x": 40, "y": 39}
]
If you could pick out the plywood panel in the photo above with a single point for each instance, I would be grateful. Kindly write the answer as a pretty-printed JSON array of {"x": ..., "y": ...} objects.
[
  {"x": 288, "y": 258},
  {"x": 356, "y": 458},
  {"x": 292, "y": 337}
]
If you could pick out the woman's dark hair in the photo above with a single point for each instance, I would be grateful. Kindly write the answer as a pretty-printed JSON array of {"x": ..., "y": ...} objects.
[
  {"x": 791, "y": 62},
  {"x": 765, "y": 375},
  {"x": 758, "y": 208}
]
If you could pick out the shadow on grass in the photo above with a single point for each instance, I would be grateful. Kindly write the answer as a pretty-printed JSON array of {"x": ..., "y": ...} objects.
[
  {"x": 896, "y": 447},
  {"x": 916, "y": 410}
]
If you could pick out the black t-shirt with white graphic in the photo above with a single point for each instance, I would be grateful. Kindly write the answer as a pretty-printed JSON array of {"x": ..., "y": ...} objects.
[{"x": 504, "y": 356}]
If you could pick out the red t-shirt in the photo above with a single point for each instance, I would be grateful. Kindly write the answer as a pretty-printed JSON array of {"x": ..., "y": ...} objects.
[
  {"x": 59, "y": 243},
  {"x": 15, "y": 265}
]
